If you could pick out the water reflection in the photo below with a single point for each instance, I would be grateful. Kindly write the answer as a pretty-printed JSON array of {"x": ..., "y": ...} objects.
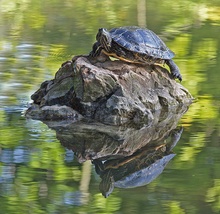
[
  {"x": 20, "y": 65},
  {"x": 124, "y": 157},
  {"x": 140, "y": 168}
]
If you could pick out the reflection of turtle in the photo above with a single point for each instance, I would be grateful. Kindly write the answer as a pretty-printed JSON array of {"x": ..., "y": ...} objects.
[
  {"x": 136, "y": 45},
  {"x": 138, "y": 169},
  {"x": 133, "y": 171}
]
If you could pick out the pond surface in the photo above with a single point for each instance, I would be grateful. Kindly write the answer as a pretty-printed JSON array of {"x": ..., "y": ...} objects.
[{"x": 38, "y": 174}]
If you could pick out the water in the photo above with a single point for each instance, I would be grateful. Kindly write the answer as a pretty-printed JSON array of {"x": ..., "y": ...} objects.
[{"x": 38, "y": 174}]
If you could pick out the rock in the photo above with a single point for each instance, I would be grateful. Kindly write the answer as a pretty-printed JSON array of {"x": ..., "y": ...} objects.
[
  {"x": 54, "y": 112},
  {"x": 112, "y": 92}
]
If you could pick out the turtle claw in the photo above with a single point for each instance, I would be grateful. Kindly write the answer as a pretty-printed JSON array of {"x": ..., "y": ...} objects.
[
  {"x": 175, "y": 71},
  {"x": 177, "y": 75}
]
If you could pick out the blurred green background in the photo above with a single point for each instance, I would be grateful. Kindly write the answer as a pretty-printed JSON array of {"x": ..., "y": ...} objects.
[{"x": 37, "y": 174}]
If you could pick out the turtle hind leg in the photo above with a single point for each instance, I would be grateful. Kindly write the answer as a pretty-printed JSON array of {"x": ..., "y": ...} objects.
[{"x": 175, "y": 71}]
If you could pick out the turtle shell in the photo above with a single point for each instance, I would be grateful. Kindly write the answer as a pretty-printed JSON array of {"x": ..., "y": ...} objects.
[
  {"x": 141, "y": 40},
  {"x": 146, "y": 175}
]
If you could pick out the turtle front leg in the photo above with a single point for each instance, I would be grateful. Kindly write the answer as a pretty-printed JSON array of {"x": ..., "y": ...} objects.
[
  {"x": 96, "y": 50},
  {"x": 174, "y": 69}
]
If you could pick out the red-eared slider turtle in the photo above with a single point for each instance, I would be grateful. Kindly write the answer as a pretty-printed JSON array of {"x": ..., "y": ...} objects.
[{"x": 136, "y": 45}]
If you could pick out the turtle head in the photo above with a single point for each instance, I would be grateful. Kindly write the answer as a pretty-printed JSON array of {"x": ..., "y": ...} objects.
[{"x": 104, "y": 38}]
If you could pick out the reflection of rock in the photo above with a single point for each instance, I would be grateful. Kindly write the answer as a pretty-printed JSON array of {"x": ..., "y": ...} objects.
[
  {"x": 112, "y": 92},
  {"x": 94, "y": 140},
  {"x": 120, "y": 151}
]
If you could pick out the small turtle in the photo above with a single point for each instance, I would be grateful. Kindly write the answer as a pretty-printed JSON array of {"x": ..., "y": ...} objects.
[{"x": 136, "y": 45}]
